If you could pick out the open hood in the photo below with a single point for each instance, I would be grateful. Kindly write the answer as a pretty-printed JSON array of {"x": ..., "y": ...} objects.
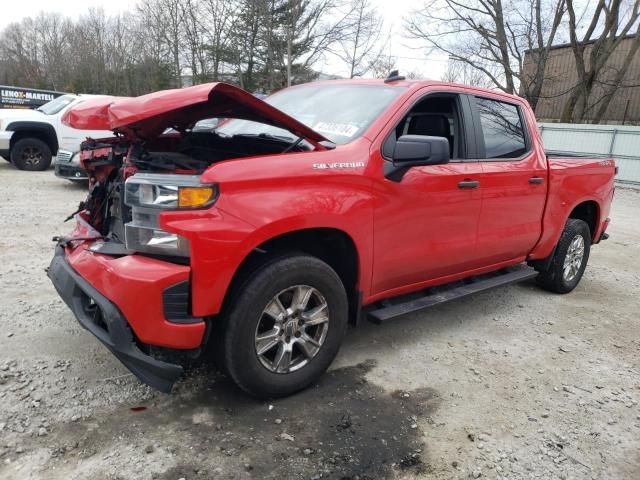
[{"x": 147, "y": 116}]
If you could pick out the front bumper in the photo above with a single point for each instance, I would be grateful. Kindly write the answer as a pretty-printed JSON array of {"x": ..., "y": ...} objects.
[
  {"x": 5, "y": 143},
  {"x": 103, "y": 318},
  {"x": 68, "y": 166}
]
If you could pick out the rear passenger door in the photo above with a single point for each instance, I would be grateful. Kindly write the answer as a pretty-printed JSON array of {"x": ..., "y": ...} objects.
[{"x": 513, "y": 182}]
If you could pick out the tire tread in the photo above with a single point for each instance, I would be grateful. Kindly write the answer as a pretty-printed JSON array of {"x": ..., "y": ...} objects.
[{"x": 552, "y": 279}]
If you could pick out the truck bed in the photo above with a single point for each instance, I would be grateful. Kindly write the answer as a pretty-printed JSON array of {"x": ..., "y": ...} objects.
[{"x": 574, "y": 181}]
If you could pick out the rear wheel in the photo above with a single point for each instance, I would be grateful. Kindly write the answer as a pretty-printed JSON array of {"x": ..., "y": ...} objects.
[
  {"x": 570, "y": 258},
  {"x": 285, "y": 326},
  {"x": 31, "y": 154}
]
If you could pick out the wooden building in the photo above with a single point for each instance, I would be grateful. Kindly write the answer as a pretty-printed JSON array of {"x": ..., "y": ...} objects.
[{"x": 561, "y": 77}]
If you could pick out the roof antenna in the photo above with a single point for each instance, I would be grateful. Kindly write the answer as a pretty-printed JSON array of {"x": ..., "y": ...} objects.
[{"x": 393, "y": 77}]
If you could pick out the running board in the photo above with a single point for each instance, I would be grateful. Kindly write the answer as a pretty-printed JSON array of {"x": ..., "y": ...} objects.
[{"x": 450, "y": 292}]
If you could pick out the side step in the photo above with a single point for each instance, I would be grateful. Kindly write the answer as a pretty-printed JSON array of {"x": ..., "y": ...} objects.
[{"x": 451, "y": 291}]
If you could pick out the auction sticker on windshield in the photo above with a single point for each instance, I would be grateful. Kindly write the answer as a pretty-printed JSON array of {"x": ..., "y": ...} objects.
[{"x": 332, "y": 128}]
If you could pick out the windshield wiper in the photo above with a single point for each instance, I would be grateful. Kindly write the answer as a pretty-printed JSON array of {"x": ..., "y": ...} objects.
[
  {"x": 293, "y": 142},
  {"x": 269, "y": 136}
]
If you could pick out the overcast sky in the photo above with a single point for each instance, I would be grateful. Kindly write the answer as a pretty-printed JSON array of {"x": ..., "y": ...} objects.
[{"x": 409, "y": 59}]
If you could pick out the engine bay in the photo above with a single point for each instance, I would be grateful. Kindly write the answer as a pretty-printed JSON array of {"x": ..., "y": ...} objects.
[{"x": 109, "y": 162}]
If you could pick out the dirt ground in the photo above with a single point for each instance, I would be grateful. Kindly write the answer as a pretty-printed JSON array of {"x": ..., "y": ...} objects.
[{"x": 515, "y": 383}]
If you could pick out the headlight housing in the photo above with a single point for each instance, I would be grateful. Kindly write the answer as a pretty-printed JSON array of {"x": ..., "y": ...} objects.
[{"x": 148, "y": 194}]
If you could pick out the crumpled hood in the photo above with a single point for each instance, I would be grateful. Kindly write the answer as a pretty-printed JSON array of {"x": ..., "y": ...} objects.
[{"x": 147, "y": 116}]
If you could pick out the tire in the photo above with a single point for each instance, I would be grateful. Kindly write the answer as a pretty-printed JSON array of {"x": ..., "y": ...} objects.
[
  {"x": 31, "y": 154},
  {"x": 560, "y": 278},
  {"x": 284, "y": 277}
]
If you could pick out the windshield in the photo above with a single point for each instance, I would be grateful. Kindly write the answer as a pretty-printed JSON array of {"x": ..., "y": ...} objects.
[
  {"x": 54, "y": 106},
  {"x": 339, "y": 112}
]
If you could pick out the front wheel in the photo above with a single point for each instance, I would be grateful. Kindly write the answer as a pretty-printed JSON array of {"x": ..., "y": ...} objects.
[
  {"x": 570, "y": 258},
  {"x": 285, "y": 326},
  {"x": 31, "y": 154}
]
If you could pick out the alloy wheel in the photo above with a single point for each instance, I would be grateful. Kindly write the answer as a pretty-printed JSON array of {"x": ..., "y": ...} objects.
[
  {"x": 573, "y": 259},
  {"x": 292, "y": 329},
  {"x": 32, "y": 157}
]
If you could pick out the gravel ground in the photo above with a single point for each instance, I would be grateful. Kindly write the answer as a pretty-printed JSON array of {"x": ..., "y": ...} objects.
[{"x": 514, "y": 383}]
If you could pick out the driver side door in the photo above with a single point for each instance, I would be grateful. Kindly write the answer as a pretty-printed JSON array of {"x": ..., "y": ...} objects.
[{"x": 426, "y": 223}]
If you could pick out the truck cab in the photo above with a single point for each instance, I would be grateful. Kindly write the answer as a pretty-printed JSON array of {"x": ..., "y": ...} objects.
[{"x": 29, "y": 139}]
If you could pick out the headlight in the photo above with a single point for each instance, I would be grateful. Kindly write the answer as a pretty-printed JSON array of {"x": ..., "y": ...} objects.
[
  {"x": 148, "y": 195},
  {"x": 150, "y": 190}
]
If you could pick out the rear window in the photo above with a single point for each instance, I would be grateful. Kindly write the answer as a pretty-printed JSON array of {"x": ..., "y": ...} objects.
[{"x": 501, "y": 128}]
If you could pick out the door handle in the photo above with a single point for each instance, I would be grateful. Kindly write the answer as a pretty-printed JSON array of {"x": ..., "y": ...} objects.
[
  {"x": 469, "y": 184},
  {"x": 536, "y": 180}
]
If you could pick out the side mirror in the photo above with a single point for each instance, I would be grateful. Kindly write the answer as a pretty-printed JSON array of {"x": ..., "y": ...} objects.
[{"x": 415, "y": 150}]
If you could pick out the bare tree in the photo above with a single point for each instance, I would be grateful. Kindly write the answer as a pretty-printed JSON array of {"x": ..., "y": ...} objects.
[
  {"x": 361, "y": 47},
  {"x": 165, "y": 18},
  {"x": 193, "y": 35},
  {"x": 610, "y": 88},
  {"x": 492, "y": 37},
  {"x": 415, "y": 75},
  {"x": 37, "y": 50},
  {"x": 53, "y": 34},
  {"x": 245, "y": 34},
  {"x": 383, "y": 65},
  {"x": 310, "y": 28},
  {"x": 604, "y": 32},
  {"x": 220, "y": 16},
  {"x": 460, "y": 72},
  {"x": 256, "y": 43}
]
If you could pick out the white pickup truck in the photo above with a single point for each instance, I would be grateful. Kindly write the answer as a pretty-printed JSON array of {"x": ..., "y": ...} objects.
[{"x": 30, "y": 138}]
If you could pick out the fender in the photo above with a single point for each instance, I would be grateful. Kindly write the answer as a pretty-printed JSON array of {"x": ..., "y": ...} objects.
[
  {"x": 553, "y": 226},
  {"x": 42, "y": 130},
  {"x": 228, "y": 241}
]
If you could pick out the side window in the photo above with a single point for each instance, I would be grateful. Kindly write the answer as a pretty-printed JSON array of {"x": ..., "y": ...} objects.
[
  {"x": 436, "y": 115},
  {"x": 501, "y": 128}
]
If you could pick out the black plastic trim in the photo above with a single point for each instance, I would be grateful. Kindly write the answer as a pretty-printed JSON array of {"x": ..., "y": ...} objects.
[
  {"x": 176, "y": 302},
  {"x": 469, "y": 184},
  {"x": 469, "y": 129},
  {"x": 104, "y": 320}
]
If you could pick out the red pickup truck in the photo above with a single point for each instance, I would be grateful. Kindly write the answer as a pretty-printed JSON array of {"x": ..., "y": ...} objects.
[{"x": 258, "y": 240}]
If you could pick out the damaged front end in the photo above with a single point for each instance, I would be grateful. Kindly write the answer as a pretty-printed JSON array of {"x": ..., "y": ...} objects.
[
  {"x": 102, "y": 318},
  {"x": 126, "y": 277}
]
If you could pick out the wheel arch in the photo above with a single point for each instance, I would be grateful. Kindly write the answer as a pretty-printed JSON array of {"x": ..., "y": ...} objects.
[
  {"x": 589, "y": 212},
  {"x": 332, "y": 245},
  {"x": 41, "y": 131}
]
